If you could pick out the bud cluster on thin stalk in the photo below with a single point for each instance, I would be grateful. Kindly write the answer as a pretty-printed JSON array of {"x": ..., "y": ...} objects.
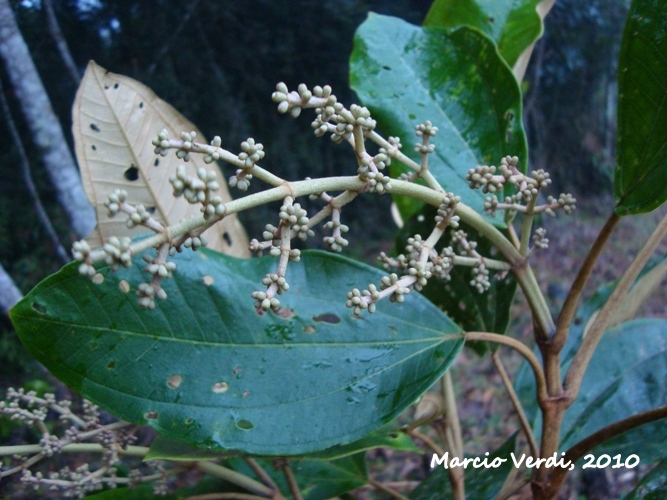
[
  {"x": 355, "y": 126},
  {"x": 74, "y": 431}
]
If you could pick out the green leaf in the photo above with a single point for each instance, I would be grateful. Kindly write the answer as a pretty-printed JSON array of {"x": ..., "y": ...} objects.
[
  {"x": 388, "y": 436},
  {"x": 653, "y": 485},
  {"x": 480, "y": 483},
  {"x": 641, "y": 169},
  {"x": 625, "y": 376},
  {"x": 471, "y": 310},
  {"x": 205, "y": 368},
  {"x": 513, "y": 24},
  {"x": 454, "y": 78},
  {"x": 317, "y": 480},
  {"x": 164, "y": 448}
]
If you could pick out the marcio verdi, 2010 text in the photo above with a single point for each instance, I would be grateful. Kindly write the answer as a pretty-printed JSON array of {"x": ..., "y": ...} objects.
[{"x": 496, "y": 462}]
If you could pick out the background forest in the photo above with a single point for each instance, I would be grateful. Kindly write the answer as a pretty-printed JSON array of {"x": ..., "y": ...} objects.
[{"x": 217, "y": 62}]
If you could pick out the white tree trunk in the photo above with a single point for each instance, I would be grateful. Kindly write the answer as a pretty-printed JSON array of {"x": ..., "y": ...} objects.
[
  {"x": 9, "y": 293},
  {"x": 47, "y": 134}
]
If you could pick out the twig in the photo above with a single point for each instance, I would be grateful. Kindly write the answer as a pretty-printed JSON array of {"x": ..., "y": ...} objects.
[
  {"x": 605, "y": 434},
  {"x": 525, "y": 425}
]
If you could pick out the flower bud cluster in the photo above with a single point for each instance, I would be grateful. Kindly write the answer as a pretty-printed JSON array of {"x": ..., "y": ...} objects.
[
  {"x": 118, "y": 252},
  {"x": 139, "y": 217},
  {"x": 250, "y": 154},
  {"x": 445, "y": 215},
  {"x": 24, "y": 406},
  {"x": 400, "y": 291},
  {"x": 425, "y": 130},
  {"x": 394, "y": 147},
  {"x": 293, "y": 102},
  {"x": 297, "y": 219},
  {"x": 332, "y": 116},
  {"x": 293, "y": 222},
  {"x": 539, "y": 238},
  {"x": 565, "y": 201},
  {"x": 378, "y": 182},
  {"x": 199, "y": 190},
  {"x": 161, "y": 143},
  {"x": 115, "y": 200},
  {"x": 147, "y": 292},
  {"x": 361, "y": 300},
  {"x": 336, "y": 242},
  {"x": 81, "y": 252},
  {"x": 264, "y": 302},
  {"x": 443, "y": 263},
  {"x": 214, "y": 152},
  {"x": 484, "y": 177},
  {"x": 183, "y": 148},
  {"x": 480, "y": 278},
  {"x": 466, "y": 247}
]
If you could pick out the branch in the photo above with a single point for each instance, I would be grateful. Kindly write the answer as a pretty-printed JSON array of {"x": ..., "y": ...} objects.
[
  {"x": 522, "y": 349},
  {"x": 605, "y": 434}
]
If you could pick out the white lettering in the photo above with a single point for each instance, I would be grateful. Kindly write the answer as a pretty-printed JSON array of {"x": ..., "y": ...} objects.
[
  {"x": 517, "y": 464},
  {"x": 435, "y": 461}
]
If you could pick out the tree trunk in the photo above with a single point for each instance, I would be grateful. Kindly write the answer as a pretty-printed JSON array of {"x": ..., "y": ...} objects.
[
  {"x": 9, "y": 293},
  {"x": 47, "y": 134}
]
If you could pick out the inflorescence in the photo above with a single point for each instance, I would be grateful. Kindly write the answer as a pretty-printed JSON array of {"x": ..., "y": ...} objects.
[
  {"x": 353, "y": 125},
  {"x": 62, "y": 430}
]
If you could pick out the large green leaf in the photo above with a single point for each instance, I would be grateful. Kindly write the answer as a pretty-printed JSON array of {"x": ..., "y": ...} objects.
[
  {"x": 626, "y": 376},
  {"x": 480, "y": 483},
  {"x": 513, "y": 24},
  {"x": 653, "y": 485},
  {"x": 455, "y": 78},
  {"x": 388, "y": 436},
  {"x": 641, "y": 163},
  {"x": 471, "y": 310},
  {"x": 205, "y": 368}
]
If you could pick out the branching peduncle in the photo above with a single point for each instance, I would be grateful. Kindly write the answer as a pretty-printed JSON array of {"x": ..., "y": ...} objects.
[{"x": 354, "y": 126}]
